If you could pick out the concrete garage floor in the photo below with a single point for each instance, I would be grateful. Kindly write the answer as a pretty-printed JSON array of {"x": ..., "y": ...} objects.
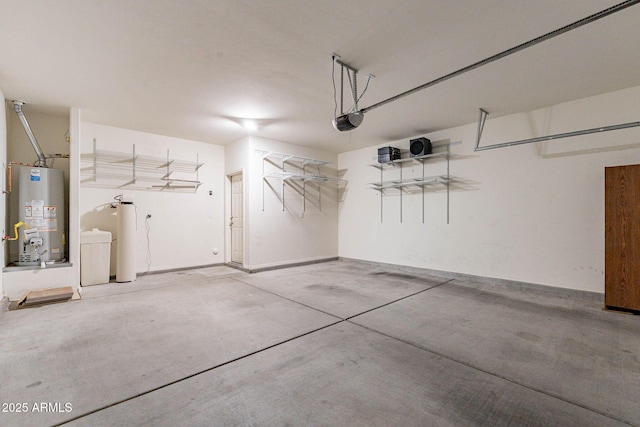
[{"x": 331, "y": 344}]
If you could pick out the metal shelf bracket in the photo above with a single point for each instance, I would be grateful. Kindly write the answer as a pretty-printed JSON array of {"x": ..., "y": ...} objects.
[{"x": 483, "y": 118}]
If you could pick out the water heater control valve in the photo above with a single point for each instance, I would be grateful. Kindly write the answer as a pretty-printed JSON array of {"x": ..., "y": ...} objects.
[{"x": 36, "y": 242}]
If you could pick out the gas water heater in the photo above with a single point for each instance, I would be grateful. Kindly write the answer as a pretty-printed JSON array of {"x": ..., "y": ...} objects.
[{"x": 41, "y": 209}]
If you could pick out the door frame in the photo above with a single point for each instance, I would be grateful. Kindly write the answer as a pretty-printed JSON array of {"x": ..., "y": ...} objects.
[{"x": 227, "y": 217}]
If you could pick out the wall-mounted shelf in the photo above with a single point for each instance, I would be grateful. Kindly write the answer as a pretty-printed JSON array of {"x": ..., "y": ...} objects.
[
  {"x": 420, "y": 182},
  {"x": 301, "y": 177},
  {"x": 289, "y": 158},
  {"x": 301, "y": 174},
  {"x": 113, "y": 169},
  {"x": 402, "y": 185},
  {"x": 418, "y": 159}
]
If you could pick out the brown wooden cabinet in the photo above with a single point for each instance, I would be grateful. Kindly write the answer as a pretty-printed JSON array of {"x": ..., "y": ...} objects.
[{"x": 622, "y": 237}]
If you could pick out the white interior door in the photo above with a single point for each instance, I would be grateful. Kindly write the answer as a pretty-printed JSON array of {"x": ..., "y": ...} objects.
[{"x": 237, "y": 216}]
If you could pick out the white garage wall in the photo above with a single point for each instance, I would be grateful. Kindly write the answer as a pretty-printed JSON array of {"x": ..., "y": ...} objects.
[
  {"x": 531, "y": 213},
  {"x": 185, "y": 228},
  {"x": 280, "y": 237},
  {"x": 3, "y": 161}
]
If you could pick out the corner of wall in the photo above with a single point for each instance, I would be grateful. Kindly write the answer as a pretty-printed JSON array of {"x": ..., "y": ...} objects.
[
  {"x": 176, "y": 216},
  {"x": 74, "y": 194},
  {"x": 235, "y": 155},
  {"x": 289, "y": 222},
  {"x": 3, "y": 202}
]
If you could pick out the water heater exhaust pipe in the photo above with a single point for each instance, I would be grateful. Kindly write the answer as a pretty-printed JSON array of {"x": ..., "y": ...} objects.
[{"x": 42, "y": 160}]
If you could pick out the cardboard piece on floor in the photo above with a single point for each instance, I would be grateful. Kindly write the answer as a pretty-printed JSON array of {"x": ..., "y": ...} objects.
[
  {"x": 43, "y": 296},
  {"x": 21, "y": 299}
]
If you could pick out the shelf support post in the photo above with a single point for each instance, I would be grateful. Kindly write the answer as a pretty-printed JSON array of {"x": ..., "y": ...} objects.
[
  {"x": 381, "y": 193},
  {"x": 168, "y": 171},
  {"x": 319, "y": 191},
  {"x": 448, "y": 176},
  {"x": 95, "y": 161},
  {"x": 304, "y": 188},
  {"x": 283, "y": 183},
  {"x": 401, "y": 191},
  {"x": 133, "y": 169},
  {"x": 422, "y": 186}
]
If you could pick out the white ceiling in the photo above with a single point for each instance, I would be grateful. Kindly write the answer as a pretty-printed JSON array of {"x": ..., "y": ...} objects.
[{"x": 194, "y": 68}]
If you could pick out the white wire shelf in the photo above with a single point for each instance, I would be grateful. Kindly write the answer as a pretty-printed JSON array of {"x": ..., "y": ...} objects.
[
  {"x": 413, "y": 182},
  {"x": 289, "y": 158},
  {"x": 147, "y": 163},
  {"x": 402, "y": 184},
  {"x": 285, "y": 175},
  {"x": 112, "y": 169},
  {"x": 284, "y": 162},
  {"x": 418, "y": 159}
]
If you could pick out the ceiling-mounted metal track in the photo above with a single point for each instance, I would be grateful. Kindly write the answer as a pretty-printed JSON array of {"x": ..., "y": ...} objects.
[
  {"x": 483, "y": 118},
  {"x": 540, "y": 39}
]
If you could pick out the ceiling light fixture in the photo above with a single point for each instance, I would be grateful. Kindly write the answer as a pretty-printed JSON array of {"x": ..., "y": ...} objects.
[{"x": 250, "y": 125}]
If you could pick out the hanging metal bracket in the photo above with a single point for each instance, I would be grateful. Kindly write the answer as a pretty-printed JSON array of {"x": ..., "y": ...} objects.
[
  {"x": 481, "y": 121},
  {"x": 352, "y": 75},
  {"x": 483, "y": 118},
  {"x": 352, "y": 118}
]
